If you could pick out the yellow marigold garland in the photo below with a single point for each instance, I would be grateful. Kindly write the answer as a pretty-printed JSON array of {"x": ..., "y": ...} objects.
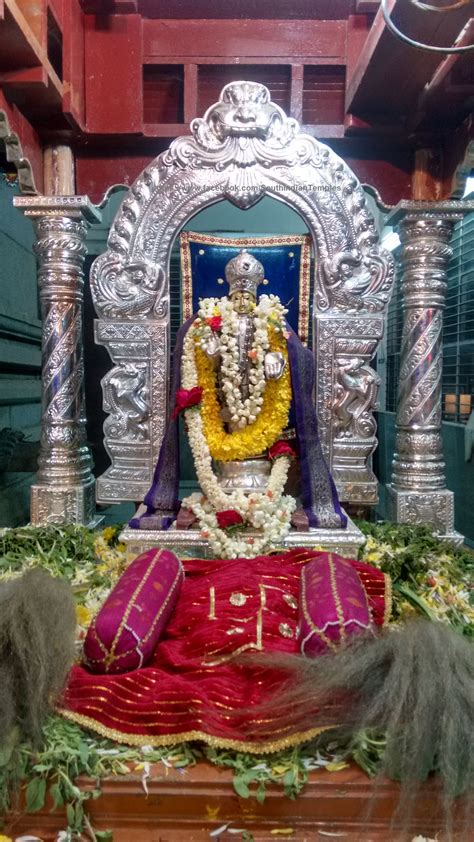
[{"x": 269, "y": 424}]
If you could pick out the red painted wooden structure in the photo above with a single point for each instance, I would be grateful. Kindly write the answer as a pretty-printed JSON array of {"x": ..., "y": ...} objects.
[
  {"x": 191, "y": 803},
  {"x": 118, "y": 79}
]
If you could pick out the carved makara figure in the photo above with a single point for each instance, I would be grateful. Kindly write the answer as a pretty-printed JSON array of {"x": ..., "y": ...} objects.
[
  {"x": 126, "y": 398},
  {"x": 245, "y": 384},
  {"x": 356, "y": 397}
]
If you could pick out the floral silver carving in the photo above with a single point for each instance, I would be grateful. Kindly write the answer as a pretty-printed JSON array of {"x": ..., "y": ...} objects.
[
  {"x": 128, "y": 289},
  {"x": 418, "y": 491},
  {"x": 354, "y": 282},
  {"x": 126, "y": 398},
  {"x": 435, "y": 510},
  {"x": 243, "y": 148},
  {"x": 14, "y": 153},
  {"x": 64, "y": 491},
  {"x": 346, "y": 395},
  {"x": 136, "y": 396}
]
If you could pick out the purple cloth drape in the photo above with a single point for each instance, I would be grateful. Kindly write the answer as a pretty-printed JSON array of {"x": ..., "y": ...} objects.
[{"x": 162, "y": 499}]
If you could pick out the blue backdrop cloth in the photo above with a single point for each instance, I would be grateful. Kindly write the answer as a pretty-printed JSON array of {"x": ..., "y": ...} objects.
[{"x": 286, "y": 261}]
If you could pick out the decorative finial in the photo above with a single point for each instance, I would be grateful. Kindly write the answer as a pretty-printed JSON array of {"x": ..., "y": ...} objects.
[{"x": 244, "y": 273}]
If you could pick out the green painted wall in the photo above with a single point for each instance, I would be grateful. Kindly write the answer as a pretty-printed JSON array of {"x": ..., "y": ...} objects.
[{"x": 20, "y": 347}]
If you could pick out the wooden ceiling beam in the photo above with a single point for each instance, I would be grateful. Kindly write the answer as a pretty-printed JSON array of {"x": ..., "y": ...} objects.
[
  {"x": 390, "y": 76},
  {"x": 206, "y": 9},
  {"x": 19, "y": 46}
]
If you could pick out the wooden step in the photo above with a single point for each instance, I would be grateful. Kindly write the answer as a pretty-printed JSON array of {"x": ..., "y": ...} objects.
[{"x": 189, "y": 804}]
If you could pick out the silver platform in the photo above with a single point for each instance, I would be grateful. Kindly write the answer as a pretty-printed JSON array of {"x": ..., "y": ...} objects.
[{"x": 345, "y": 542}]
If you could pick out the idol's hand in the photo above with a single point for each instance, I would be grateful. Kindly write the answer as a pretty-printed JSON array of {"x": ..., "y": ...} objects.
[
  {"x": 211, "y": 346},
  {"x": 274, "y": 365}
]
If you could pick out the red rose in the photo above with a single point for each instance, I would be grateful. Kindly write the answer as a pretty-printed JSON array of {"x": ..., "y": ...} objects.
[
  {"x": 185, "y": 398},
  {"x": 229, "y": 518},
  {"x": 214, "y": 322},
  {"x": 281, "y": 448}
]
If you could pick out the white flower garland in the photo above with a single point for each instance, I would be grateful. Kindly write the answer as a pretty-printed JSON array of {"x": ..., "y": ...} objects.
[
  {"x": 238, "y": 544},
  {"x": 269, "y": 512},
  {"x": 268, "y": 310}
]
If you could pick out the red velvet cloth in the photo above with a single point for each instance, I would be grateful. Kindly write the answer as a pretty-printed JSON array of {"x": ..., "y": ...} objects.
[{"x": 195, "y": 687}]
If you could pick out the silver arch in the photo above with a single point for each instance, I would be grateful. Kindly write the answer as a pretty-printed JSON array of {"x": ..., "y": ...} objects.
[{"x": 243, "y": 148}]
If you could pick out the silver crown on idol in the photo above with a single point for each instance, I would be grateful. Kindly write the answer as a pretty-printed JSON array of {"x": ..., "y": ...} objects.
[{"x": 244, "y": 273}]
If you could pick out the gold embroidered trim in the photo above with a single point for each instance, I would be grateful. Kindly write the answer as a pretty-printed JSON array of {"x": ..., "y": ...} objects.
[
  {"x": 304, "y": 283},
  {"x": 188, "y": 736},
  {"x": 111, "y": 656},
  {"x": 101, "y": 645},
  {"x": 307, "y": 616},
  {"x": 179, "y": 574},
  {"x": 388, "y": 599},
  {"x": 291, "y": 601},
  {"x": 109, "y": 659},
  {"x": 286, "y": 630},
  {"x": 212, "y": 603},
  {"x": 263, "y": 602},
  {"x": 228, "y": 657},
  {"x": 335, "y": 593},
  {"x": 237, "y": 598},
  {"x": 88, "y": 693},
  {"x": 257, "y": 645}
]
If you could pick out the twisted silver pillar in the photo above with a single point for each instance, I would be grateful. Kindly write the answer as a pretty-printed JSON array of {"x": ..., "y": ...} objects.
[
  {"x": 64, "y": 491},
  {"x": 418, "y": 492}
]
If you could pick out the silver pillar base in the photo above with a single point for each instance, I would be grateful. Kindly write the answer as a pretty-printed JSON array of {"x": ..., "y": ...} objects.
[
  {"x": 345, "y": 542},
  {"x": 64, "y": 505},
  {"x": 432, "y": 508},
  {"x": 352, "y": 470}
]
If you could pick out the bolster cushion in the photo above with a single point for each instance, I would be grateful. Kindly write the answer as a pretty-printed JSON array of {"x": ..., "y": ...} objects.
[
  {"x": 123, "y": 635},
  {"x": 333, "y": 604}
]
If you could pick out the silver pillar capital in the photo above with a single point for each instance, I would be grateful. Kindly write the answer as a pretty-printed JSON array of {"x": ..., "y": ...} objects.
[
  {"x": 73, "y": 207},
  {"x": 64, "y": 491},
  {"x": 452, "y": 210}
]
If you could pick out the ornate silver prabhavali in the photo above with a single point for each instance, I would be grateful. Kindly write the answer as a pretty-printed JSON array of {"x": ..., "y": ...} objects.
[{"x": 243, "y": 148}]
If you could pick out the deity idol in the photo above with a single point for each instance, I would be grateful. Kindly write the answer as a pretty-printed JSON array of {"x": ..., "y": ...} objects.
[{"x": 241, "y": 376}]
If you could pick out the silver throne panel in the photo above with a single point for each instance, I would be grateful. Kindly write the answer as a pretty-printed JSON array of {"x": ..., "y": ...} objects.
[{"x": 345, "y": 542}]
